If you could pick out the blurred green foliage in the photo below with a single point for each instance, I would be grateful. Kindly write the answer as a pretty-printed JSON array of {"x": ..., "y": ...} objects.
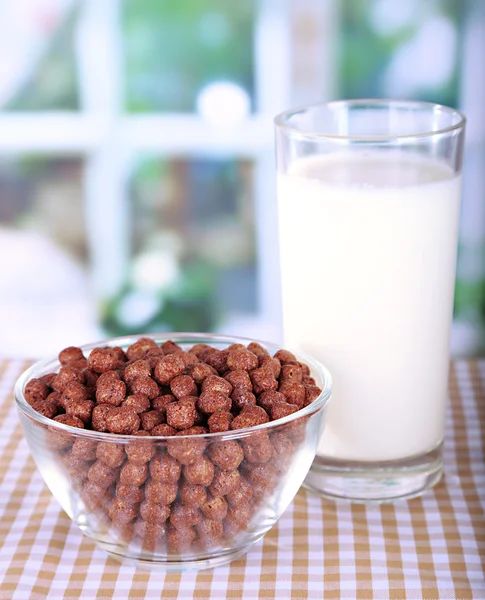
[{"x": 175, "y": 47}]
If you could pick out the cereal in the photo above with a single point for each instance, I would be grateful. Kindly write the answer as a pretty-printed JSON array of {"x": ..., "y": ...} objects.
[
  {"x": 36, "y": 390},
  {"x": 279, "y": 410},
  {"x": 311, "y": 393},
  {"x": 163, "y": 429},
  {"x": 139, "y": 349},
  {"x": 101, "y": 474},
  {"x": 224, "y": 482},
  {"x": 122, "y": 420},
  {"x": 103, "y": 359},
  {"x": 130, "y": 493},
  {"x": 293, "y": 391},
  {"x": 199, "y": 472},
  {"x": 250, "y": 416},
  {"x": 213, "y": 401},
  {"x": 154, "y": 513},
  {"x": 241, "y": 398},
  {"x": 263, "y": 380},
  {"x": 81, "y": 409},
  {"x": 214, "y": 383},
  {"x": 168, "y": 367},
  {"x": 98, "y": 417},
  {"x": 161, "y": 492},
  {"x": 220, "y": 421},
  {"x": 239, "y": 379},
  {"x": 85, "y": 449},
  {"x": 181, "y": 415},
  {"x": 138, "y": 402},
  {"x": 192, "y": 495},
  {"x": 151, "y": 419},
  {"x": 182, "y": 516},
  {"x": 110, "y": 454},
  {"x": 226, "y": 455},
  {"x": 210, "y": 532},
  {"x": 70, "y": 354},
  {"x": 66, "y": 375},
  {"x": 215, "y": 507},
  {"x": 200, "y": 371},
  {"x": 242, "y": 360},
  {"x": 292, "y": 372},
  {"x": 132, "y": 474},
  {"x": 180, "y": 540},
  {"x": 73, "y": 392},
  {"x": 140, "y": 451},
  {"x": 185, "y": 492},
  {"x": 242, "y": 493},
  {"x": 164, "y": 467},
  {"x": 144, "y": 385}
]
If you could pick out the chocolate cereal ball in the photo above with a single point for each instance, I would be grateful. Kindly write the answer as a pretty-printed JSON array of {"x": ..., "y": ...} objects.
[
  {"x": 243, "y": 360},
  {"x": 131, "y": 494},
  {"x": 185, "y": 450},
  {"x": 151, "y": 419},
  {"x": 199, "y": 472},
  {"x": 291, "y": 372},
  {"x": 140, "y": 451},
  {"x": 267, "y": 399},
  {"x": 224, "y": 482},
  {"x": 35, "y": 390},
  {"x": 286, "y": 357},
  {"x": 213, "y": 401},
  {"x": 138, "y": 402},
  {"x": 180, "y": 540},
  {"x": 192, "y": 495},
  {"x": 242, "y": 398},
  {"x": 258, "y": 350},
  {"x": 122, "y": 420},
  {"x": 183, "y": 385},
  {"x": 282, "y": 409},
  {"x": 70, "y": 354},
  {"x": 293, "y": 391},
  {"x": 182, "y": 515},
  {"x": 242, "y": 493},
  {"x": 65, "y": 376},
  {"x": 154, "y": 513},
  {"x": 98, "y": 417},
  {"x": 169, "y": 367},
  {"x": 181, "y": 415},
  {"x": 85, "y": 449},
  {"x": 144, "y": 385},
  {"x": 213, "y": 383},
  {"x": 101, "y": 474},
  {"x": 263, "y": 380},
  {"x": 163, "y": 429},
  {"x": 132, "y": 474},
  {"x": 161, "y": 492},
  {"x": 200, "y": 371},
  {"x": 111, "y": 454},
  {"x": 210, "y": 532},
  {"x": 250, "y": 416},
  {"x": 103, "y": 359},
  {"x": 110, "y": 391},
  {"x": 220, "y": 421},
  {"x": 239, "y": 379},
  {"x": 163, "y": 467},
  {"x": 138, "y": 368},
  {"x": 81, "y": 409},
  {"x": 272, "y": 365},
  {"x": 215, "y": 507},
  {"x": 138, "y": 349},
  {"x": 227, "y": 455}
]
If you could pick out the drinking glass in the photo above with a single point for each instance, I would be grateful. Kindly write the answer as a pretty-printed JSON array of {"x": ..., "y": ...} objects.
[{"x": 368, "y": 201}]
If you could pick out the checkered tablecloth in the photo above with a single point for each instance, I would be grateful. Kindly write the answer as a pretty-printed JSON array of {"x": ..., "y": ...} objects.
[{"x": 430, "y": 547}]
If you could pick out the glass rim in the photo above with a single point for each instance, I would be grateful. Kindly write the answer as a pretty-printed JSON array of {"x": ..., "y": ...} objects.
[
  {"x": 317, "y": 405},
  {"x": 281, "y": 120}
]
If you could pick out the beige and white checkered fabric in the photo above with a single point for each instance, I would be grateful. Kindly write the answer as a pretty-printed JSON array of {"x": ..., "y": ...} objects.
[{"x": 430, "y": 547}]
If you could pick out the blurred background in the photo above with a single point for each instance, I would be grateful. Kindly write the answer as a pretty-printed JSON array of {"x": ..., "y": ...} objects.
[{"x": 136, "y": 153}]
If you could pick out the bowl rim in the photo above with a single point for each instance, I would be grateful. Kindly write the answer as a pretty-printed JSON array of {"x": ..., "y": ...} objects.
[{"x": 36, "y": 370}]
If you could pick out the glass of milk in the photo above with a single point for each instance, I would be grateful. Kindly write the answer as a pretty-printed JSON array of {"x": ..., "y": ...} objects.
[{"x": 368, "y": 203}]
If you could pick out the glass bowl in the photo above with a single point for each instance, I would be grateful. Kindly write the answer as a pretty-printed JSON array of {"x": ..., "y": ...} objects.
[{"x": 121, "y": 500}]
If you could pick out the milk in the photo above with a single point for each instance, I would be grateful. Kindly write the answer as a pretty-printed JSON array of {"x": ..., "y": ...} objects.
[{"x": 368, "y": 254}]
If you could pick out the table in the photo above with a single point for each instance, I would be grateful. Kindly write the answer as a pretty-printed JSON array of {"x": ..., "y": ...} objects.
[{"x": 428, "y": 547}]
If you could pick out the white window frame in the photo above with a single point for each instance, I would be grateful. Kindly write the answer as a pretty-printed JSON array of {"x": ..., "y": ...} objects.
[{"x": 108, "y": 139}]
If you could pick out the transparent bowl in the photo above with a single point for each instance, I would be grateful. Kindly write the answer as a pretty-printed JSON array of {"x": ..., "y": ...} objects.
[{"x": 249, "y": 499}]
